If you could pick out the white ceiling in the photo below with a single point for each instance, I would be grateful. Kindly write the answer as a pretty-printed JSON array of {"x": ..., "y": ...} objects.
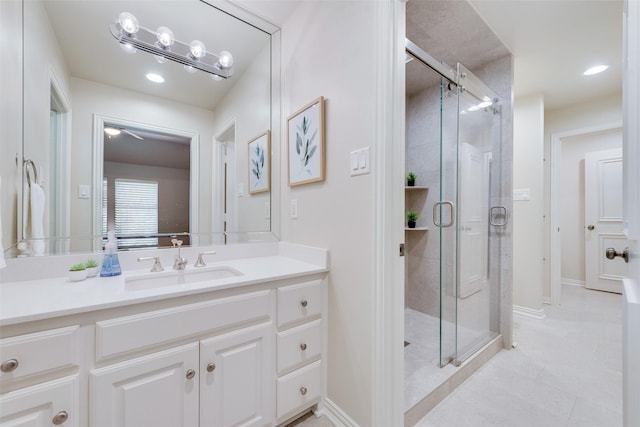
[{"x": 553, "y": 42}]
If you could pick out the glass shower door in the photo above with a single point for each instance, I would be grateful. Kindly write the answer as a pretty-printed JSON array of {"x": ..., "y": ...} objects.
[{"x": 477, "y": 275}]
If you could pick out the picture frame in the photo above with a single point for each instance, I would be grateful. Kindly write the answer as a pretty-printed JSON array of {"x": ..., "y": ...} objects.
[
  {"x": 259, "y": 155},
  {"x": 306, "y": 144}
]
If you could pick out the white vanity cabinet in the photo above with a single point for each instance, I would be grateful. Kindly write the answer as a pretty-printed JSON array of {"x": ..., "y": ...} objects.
[
  {"x": 244, "y": 356},
  {"x": 28, "y": 362},
  {"x": 300, "y": 342}
]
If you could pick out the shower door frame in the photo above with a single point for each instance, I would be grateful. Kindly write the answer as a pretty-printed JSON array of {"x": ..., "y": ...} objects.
[{"x": 479, "y": 90}]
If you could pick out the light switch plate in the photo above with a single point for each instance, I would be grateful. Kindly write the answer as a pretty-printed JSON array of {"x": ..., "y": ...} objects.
[
  {"x": 84, "y": 192},
  {"x": 360, "y": 162},
  {"x": 521, "y": 194},
  {"x": 294, "y": 208}
]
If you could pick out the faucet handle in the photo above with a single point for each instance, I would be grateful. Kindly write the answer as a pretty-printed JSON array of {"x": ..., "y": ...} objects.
[
  {"x": 156, "y": 264},
  {"x": 200, "y": 261}
]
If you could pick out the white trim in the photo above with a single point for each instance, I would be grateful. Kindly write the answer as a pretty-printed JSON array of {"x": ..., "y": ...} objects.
[
  {"x": 98, "y": 170},
  {"x": 555, "y": 158},
  {"x": 227, "y": 134},
  {"x": 335, "y": 414},
  {"x": 387, "y": 375},
  {"x": 63, "y": 175},
  {"x": 529, "y": 312},
  {"x": 546, "y": 300},
  {"x": 572, "y": 282}
]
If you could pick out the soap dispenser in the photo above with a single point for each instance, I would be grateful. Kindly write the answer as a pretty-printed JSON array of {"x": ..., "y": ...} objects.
[{"x": 111, "y": 263}]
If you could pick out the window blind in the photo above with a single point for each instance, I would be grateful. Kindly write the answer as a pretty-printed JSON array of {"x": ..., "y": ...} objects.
[{"x": 136, "y": 212}]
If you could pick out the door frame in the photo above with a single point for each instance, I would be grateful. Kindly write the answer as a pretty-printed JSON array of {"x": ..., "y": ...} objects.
[{"x": 555, "y": 157}]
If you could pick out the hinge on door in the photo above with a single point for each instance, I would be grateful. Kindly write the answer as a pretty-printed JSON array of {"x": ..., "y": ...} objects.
[{"x": 401, "y": 249}]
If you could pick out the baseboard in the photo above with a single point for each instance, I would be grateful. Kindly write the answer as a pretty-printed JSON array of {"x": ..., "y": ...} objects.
[
  {"x": 336, "y": 415},
  {"x": 546, "y": 300},
  {"x": 529, "y": 312},
  {"x": 572, "y": 282}
]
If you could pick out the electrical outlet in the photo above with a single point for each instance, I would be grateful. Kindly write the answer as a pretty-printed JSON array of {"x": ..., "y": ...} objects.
[{"x": 294, "y": 208}]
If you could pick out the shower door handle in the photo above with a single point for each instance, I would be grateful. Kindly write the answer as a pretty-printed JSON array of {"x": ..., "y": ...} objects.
[
  {"x": 497, "y": 211},
  {"x": 436, "y": 214}
]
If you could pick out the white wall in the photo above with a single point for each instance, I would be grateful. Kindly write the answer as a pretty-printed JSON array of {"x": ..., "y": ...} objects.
[
  {"x": 328, "y": 50},
  {"x": 92, "y": 98},
  {"x": 528, "y": 159},
  {"x": 10, "y": 118},
  {"x": 602, "y": 111},
  {"x": 571, "y": 198},
  {"x": 251, "y": 89}
]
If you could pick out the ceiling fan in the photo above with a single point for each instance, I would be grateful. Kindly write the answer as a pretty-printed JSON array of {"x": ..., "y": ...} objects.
[{"x": 115, "y": 131}]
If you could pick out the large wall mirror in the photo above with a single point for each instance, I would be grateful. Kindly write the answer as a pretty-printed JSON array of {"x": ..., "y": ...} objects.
[{"x": 109, "y": 146}]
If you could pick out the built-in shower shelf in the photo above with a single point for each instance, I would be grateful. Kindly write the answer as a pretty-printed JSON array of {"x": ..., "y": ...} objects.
[
  {"x": 416, "y": 229},
  {"x": 416, "y": 188}
]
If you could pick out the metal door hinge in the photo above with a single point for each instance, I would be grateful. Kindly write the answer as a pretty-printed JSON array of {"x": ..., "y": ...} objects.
[{"x": 401, "y": 249}]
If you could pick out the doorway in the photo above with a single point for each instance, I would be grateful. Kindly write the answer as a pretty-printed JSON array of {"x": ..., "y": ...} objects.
[{"x": 452, "y": 258}]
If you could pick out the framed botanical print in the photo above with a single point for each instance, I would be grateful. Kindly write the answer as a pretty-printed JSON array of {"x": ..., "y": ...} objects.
[
  {"x": 259, "y": 163},
  {"x": 306, "y": 144}
]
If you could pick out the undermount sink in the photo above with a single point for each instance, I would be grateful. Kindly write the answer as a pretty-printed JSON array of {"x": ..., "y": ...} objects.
[{"x": 180, "y": 277}]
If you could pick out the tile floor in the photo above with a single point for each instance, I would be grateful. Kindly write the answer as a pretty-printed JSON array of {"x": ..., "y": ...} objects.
[{"x": 566, "y": 371}]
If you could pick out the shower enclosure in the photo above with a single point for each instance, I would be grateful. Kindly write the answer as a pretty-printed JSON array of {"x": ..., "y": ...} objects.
[{"x": 453, "y": 140}]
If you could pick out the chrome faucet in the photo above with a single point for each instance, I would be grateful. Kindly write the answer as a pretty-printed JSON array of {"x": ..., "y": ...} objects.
[
  {"x": 156, "y": 263},
  {"x": 181, "y": 262},
  {"x": 200, "y": 261}
]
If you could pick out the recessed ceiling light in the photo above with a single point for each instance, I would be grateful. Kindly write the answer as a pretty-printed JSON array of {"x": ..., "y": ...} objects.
[
  {"x": 111, "y": 131},
  {"x": 156, "y": 78},
  {"x": 595, "y": 70}
]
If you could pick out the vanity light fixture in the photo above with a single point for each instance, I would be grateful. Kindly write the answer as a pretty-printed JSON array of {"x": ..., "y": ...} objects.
[{"x": 163, "y": 46}]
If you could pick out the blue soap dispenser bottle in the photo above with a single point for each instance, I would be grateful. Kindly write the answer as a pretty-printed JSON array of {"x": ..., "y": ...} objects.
[{"x": 111, "y": 263}]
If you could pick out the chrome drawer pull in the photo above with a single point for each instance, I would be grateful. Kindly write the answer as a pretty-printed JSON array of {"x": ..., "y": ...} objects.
[
  {"x": 303, "y": 390},
  {"x": 211, "y": 367},
  {"x": 190, "y": 374},
  {"x": 9, "y": 365},
  {"x": 303, "y": 346},
  {"x": 304, "y": 303},
  {"x": 60, "y": 418}
]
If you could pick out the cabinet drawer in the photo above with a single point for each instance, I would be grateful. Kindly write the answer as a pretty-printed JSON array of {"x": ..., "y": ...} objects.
[
  {"x": 300, "y": 345},
  {"x": 297, "y": 303},
  {"x": 299, "y": 389},
  {"x": 36, "y": 353},
  {"x": 126, "y": 334}
]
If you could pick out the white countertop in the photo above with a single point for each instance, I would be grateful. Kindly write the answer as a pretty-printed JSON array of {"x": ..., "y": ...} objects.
[{"x": 37, "y": 299}]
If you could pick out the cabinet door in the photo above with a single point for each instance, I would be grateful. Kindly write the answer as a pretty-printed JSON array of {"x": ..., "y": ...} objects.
[
  {"x": 46, "y": 404},
  {"x": 159, "y": 390},
  {"x": 237, "y": 378}
]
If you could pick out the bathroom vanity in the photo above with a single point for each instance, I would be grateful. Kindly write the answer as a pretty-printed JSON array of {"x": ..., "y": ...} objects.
[{"x": 197, "y": 347}]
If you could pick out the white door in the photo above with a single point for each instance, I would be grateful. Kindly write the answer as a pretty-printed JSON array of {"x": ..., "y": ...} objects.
[
  {"x": 473, "y": 211},
  {"x": 159, "y": 390},
  {"x": 237, "y": 378},
  {"x": 43, "y": 405},
  {"x": 603, "y": 220}
]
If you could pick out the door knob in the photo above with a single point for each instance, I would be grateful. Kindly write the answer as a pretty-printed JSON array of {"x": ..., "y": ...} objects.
[
  {"x": 611, "y": 253},
  {"x": 590, "y": 227}
]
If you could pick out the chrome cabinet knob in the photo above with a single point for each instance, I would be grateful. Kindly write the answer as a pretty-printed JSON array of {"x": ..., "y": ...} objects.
[
  {"x": 611, "y": 253},
  {"x": 303, "y": 346},
  {"x": 9, "y": 365},
  {"x": 211, "y": 367},
  {"x": 303, "y": 390},
  {"x": 304, "y": 303},
  {"x": 60, "y": 418},
  {"x": 591, "y": 227},
  {"x": 190, "y": 374}
]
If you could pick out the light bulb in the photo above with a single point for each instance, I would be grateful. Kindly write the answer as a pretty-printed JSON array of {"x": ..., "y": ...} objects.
[
  {"x": 190, "y": 69},
  {"x": 198, "y": 49},
  {"x": 112, "y": 131},
  {"x": 128, "y": 23},
  {"x": 225, "y": 60},
  {"x": 165, "y": 37}
]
